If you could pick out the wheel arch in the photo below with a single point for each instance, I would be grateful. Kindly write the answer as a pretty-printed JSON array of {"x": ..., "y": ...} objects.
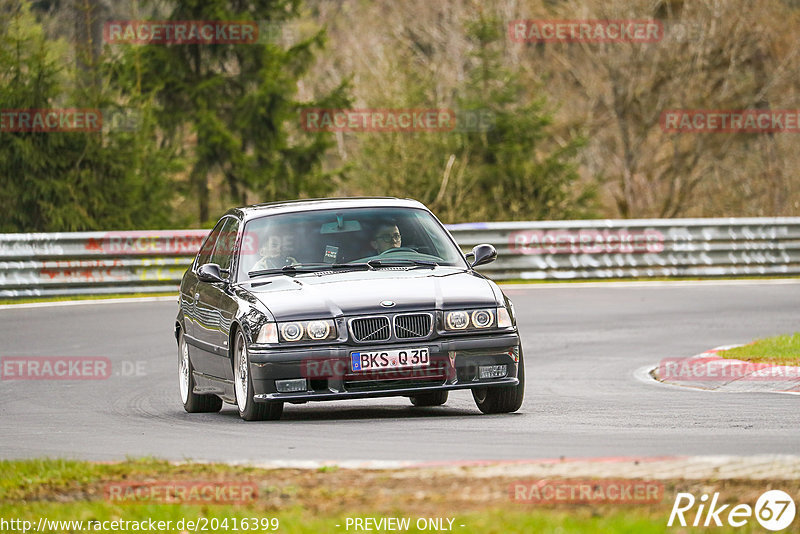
[{"x": 235, "y": 327}]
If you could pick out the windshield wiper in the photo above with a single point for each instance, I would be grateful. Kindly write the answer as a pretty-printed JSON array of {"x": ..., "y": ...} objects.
[
  {"x": 308, "y": 268},
  {"x": 402, "y": 263},
  {"x": 288, "y": 269}
]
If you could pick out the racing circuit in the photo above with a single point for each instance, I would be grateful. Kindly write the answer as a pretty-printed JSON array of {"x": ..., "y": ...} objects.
[{"x": 585, "y": 348}]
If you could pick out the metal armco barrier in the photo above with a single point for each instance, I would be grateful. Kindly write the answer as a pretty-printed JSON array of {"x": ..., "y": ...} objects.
[
  {"x": 95, "y": 263},
  {"x": 154, "y": 261},
  {"x": 634, "y": 248}
]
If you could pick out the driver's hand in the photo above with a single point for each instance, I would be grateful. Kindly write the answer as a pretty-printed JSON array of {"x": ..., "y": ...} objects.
[{"x": 291, "y": 261}]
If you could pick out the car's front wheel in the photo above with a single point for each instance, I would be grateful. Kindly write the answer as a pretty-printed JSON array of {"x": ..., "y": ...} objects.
[
  {"x": 502, "y": 399},
  {"x": 192, "y": 402},
  {"x": 249, "y": 410}
]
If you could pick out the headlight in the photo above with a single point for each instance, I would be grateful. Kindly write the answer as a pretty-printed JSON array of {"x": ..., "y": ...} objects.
[
  {"x": 457, "y": 320},
  {"x": 291, "y": 331},
  {"x": 268, "y": 334},
  {"x": 318, "y": 330},
  {"x": 477, "y": 319},
  {"x": 469, "y": 320},
  {"x": 482, "y": 318}
]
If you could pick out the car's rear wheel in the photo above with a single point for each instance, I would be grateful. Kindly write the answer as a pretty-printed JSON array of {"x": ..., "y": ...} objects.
[
  {"x": 192, "y": 402},
  {"x": 437, "y": 398},
  {"x": 502, "y": 399},
  {"x": 249, "y": 410}
]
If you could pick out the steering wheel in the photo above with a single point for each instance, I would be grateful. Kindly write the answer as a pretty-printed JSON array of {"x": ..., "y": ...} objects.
[{"x": 397, "y": 249}]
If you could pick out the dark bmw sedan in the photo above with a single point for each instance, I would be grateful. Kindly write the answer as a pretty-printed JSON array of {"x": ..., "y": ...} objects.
[{"x": 342, "y": 299}]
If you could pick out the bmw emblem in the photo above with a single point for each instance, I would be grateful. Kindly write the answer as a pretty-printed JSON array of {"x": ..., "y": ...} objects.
[{"x": 387, "y": 303}]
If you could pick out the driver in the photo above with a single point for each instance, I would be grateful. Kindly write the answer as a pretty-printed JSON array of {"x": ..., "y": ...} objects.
[{"x": 386, "y": 236}]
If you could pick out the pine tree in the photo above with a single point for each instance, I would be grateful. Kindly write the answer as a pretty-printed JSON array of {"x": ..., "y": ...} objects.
[
  {"x": 73, "y": 180},
  {"x": 514, "y": 170},
  {"x": 238, "y": 101}
]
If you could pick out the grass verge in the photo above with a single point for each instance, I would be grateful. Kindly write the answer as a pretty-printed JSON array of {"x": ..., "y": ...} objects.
[
  {"x": 312, "y": 501},
  {"x": 780, "y": 350}
]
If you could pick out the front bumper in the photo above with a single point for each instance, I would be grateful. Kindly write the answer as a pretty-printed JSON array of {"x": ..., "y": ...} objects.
[{"x": 454, "y": 365}]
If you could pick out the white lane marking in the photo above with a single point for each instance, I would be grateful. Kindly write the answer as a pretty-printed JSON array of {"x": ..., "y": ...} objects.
[
  {"x": 88, "y": 301},
  {"x": 660, "y": 467},
  {"x": 643, "y": 374},
  {"x": 645, "y": 283}
]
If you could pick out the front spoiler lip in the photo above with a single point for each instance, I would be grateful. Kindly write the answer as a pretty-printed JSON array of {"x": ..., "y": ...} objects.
[{"x": 393, "y": 392}]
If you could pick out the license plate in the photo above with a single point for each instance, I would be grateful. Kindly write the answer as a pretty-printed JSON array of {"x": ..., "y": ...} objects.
[{"x": 389, "y": 359}]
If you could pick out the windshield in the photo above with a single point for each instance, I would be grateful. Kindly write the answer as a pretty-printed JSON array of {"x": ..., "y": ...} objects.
[{"x": 319, "y": 239}]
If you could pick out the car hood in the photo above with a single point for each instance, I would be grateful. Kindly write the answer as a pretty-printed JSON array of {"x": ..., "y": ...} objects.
[{"x": 312, "y": 296}]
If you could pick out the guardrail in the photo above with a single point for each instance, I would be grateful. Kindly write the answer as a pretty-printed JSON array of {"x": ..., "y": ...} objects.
[
  {"x": 634, "y": 248},
  {"x": 95, "y": 263}
]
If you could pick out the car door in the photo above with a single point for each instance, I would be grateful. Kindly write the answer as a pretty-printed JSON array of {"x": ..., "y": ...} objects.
[
  {"x": 189, "y": 285},
  {"x": 216, "y": 305},
  {"x": 202, "y": 316}
]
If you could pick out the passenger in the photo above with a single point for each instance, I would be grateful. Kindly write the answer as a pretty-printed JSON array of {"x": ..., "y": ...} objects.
[{"x": 273, "y": 255}]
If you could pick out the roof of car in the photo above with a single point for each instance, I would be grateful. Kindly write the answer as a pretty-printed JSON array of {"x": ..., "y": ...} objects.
[{"x": 288, "y": 206}]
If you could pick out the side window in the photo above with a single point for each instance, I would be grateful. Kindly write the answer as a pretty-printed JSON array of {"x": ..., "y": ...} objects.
[
  {"x": 225, "y": 248},
  {"x": 208, "y": 245}
]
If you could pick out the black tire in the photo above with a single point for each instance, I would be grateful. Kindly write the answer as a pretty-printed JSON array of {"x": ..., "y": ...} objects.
[
  {"x": 192, "y": 402},
  {"x": 502, "y": 399},
  {"x": 249, "y": 410},
  {"x": 437, "y": 398}
]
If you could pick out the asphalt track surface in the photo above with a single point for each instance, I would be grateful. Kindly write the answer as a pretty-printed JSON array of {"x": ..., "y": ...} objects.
[{"x": 584, "y": 398}]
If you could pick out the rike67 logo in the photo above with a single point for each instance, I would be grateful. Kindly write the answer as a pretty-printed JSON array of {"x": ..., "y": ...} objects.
[{"x": 774, "y": 510}]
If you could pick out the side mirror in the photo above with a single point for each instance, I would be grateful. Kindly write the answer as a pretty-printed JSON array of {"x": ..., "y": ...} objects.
[
  {"x": 483, "y": 254},
  {"x": 210, "y": 272}
]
